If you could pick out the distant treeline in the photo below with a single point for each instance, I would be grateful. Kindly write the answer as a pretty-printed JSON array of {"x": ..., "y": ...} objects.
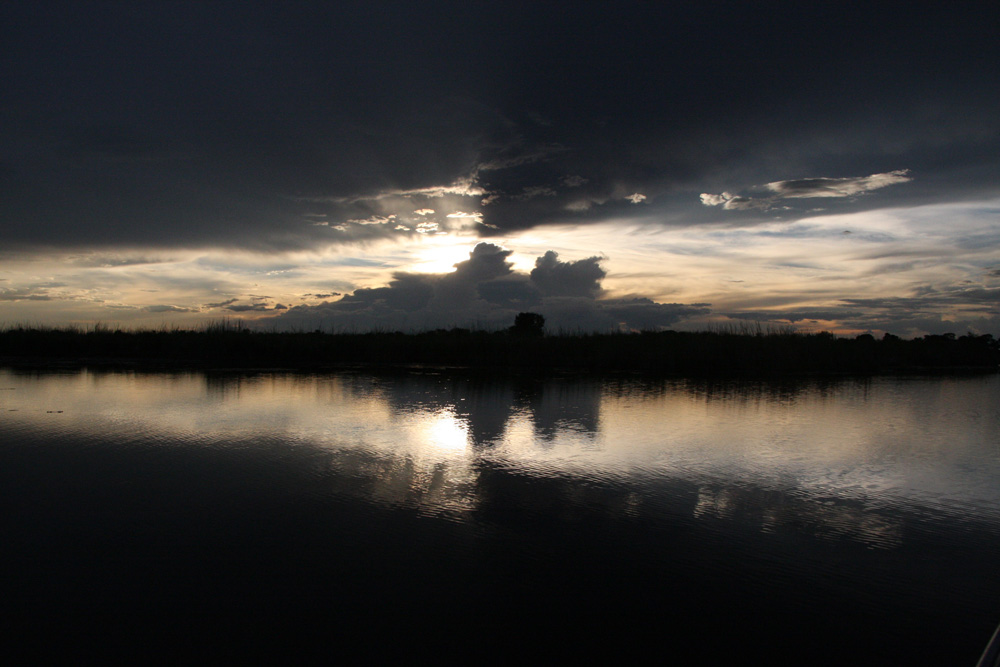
[{"x": 522, "y": 348}]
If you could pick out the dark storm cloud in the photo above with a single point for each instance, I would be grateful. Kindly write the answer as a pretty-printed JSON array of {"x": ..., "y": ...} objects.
[
  {"x": 484, "y": 291},
  {"x": 245, "y": 124}
]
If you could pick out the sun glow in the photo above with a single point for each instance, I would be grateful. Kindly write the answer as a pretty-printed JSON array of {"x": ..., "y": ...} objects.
[
  {"x": 444, "y": 431},
  {"x": 439, "y": 254}
]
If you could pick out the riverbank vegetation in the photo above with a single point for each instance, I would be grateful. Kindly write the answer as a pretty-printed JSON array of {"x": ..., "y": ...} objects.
[{"x": 523, "y": 347}]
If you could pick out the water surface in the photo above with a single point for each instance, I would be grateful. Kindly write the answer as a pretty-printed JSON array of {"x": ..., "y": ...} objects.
[{"x": 855, "y": 520}]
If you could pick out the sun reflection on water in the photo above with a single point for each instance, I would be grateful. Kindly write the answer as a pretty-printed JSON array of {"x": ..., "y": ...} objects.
[{"x": 445, "y": 431}]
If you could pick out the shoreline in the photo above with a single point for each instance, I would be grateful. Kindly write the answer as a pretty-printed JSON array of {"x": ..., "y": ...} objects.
[
  {"x": 174, "y": 366},
  {"x": 657, "y": 354}
]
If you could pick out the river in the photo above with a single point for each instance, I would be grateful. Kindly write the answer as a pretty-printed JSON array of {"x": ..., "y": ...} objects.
[{"x": 472, "y": 519}]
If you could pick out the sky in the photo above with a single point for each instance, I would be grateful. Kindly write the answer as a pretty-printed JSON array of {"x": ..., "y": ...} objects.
[{"x": 409, "y": 166}]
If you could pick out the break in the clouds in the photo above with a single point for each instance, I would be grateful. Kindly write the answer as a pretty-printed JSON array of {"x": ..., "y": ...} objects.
[
  {"x": 807, "y": 188},
  {"x": 485, "y": 291}
]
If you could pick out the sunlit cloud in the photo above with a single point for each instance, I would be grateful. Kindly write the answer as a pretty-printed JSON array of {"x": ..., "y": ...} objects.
[
  {"x": 463, "y": 187},
  {"x": 474, "y": 216},
  {"x": 837, "y": 187},
  {"x": 375, "y": 220},
  {"x": 807, "y": 188}
]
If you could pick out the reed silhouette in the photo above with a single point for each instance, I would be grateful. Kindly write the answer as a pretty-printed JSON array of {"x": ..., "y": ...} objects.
[{"x": 523, "y": 347}]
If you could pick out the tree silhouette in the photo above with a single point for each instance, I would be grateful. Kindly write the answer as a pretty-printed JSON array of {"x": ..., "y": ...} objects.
[{"x": 528, "y": 324}]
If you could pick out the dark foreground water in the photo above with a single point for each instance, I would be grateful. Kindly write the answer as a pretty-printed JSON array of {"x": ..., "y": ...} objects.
[{"x": 190, "y": 518}]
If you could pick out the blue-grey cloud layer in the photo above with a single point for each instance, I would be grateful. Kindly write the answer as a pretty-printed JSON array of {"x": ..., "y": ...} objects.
[{"x": 285, "y": 125}]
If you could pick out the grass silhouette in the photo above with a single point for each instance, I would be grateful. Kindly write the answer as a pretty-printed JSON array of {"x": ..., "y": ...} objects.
[{"x": 741, "y": 352}]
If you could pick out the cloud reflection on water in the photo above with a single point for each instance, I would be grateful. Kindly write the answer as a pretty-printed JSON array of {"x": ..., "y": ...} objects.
[{"x": 835, "y": 460}]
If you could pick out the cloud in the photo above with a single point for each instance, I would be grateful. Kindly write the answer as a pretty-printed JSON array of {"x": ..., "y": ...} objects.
[
  {"x": 323, "y": 125},
  {"x": 557, "y": 278},
  {"x": 807, "y": 188},
  {"x": 473, "y": 215},
  {"x": 169, "y": 309},
  {"x": 375, "y": 220},
  {"x": 243, "y": 308},
  {"x": 516, "y": 159},
  {"x": 836, "y": 187},
  {"x": 20, "y": 295},
  {"x": 645, "y": 314},
  {"x": 795, "y": 315},
  {"x": 532, "y": 191},
  {"x": 221, "y": 304},
  {"x": 462, "y": 187},
  {"x": 929, "y": 298},
  {"x": 485, "y": 291},
  {"x": 424, "y": 211},
  {"x": 106, "y": 261},
  {"x": 731, "y": 202},
  {"x": 964, "y": 306},
  {"x": 636, "y": 197}
]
